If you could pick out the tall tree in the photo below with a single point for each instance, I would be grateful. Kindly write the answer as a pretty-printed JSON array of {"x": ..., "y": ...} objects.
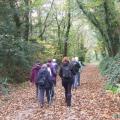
[
  {"x": 45, "y": 22},
  {"x": 67, "y": 30},
  {"x": 60, "y": 21},
  {"x": 16, "y": 16},
  {"x": 26, "y": 21},
  {"x": 112, "y": 25},
  {"x": 109, "y": 21}
]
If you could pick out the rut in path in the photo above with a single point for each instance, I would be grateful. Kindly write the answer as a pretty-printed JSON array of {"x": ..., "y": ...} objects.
[{"x": 89, "y": 102}]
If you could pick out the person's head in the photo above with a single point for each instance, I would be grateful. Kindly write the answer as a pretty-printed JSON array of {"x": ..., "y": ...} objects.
[
  {"x": 65, "y": 59},
  {"x": 54, "y": 60},
  {"x": 37, "y": 62},
  {"x": 44, "y": 66},
  {"x": 76, "y": 59},
  {"x": 73, "y": 59},
  {"x": 49, "y": 60}
]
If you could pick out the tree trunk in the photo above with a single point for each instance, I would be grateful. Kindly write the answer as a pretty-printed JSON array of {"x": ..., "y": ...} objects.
[
  {"x": 16, "y": 17},
  {"x": 59, "y": 39},
  {"x": 112, "y": 29},
  {"x": 26, "y": 32},
  {"x": 30, "y": 25},
  {"x": 45, "y": 22},
  {"x": 110, "y": 34},
  {"x": 67, "y": 32},
  {"x": 96, "y": 55}
]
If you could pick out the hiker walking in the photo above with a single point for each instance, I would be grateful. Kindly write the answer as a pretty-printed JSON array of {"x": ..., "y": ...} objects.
[
  {"x": 34, "y": 74},
  {"x": 75, "y": 67},
  {"x": 44, "y": 84},
  {"x": 67, "y": 79},
  {"x": 52, "y": 77},
  {"x": 54, "y": 70},
  {"x": 78, "y": 67},
  {"x": 73, "y": 63}
]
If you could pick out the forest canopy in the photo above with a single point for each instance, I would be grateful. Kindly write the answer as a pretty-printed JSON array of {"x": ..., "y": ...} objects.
[{"x": 41, "y": 29}]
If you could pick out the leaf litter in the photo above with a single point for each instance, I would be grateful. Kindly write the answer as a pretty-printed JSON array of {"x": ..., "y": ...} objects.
[{"x": 90, "y": 101}]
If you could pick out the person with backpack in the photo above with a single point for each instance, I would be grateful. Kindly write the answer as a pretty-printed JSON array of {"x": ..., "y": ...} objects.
[
  {"x": 67, "y": 79},
  {"x": 75, "y": 66},
  {"x": 78, "y": 65},
  {"x": 44, "y": 84},
  {"x": 54, "y": 70},
  {"x": 34, "y": 74},
  {"x": 50, "y": 68}
]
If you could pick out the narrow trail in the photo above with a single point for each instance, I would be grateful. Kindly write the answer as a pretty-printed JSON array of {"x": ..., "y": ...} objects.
[{"x": 89, "y": 102}]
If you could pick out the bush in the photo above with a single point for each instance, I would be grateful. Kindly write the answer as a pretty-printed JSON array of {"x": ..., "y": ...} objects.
[
  {"x": 16, "y": 54},
  {"x": 16, "y": 57},
  {"x": 110, "y": 67},
  {"x": 111, "y": 88}
]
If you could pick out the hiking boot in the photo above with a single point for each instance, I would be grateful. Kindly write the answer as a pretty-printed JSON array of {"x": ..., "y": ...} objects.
[
  {"x": 69, "y": 100},
  {"x": 69, "y": 104},
  {"x": 65, "y": 97},
  {"x": 41, "y": 105},
  {"x": 49, "y": 103},
  {"x": 75, "y": 88}
]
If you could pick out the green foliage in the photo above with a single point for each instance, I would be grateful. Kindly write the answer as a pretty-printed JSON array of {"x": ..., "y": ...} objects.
[
  {"x": 77, "y": 45},
  {"x": 49, "y": 50},
  {"x": 104, "y": 16},
  {"x": 37, "y": 3},
  {"x": 104, "y": 65},
  {"x": 82, "y": 52},
  {"x": 110, "y": 67},
  {"x": 101, "y": 48},
  {"x": 113, "y": 88},
  {"x": 16, "y": 56}
]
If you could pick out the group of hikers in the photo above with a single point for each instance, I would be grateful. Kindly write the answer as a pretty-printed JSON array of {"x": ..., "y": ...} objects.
[{"x": 44, "y": 78}]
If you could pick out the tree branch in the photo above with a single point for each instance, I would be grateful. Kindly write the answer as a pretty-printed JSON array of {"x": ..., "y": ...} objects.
[
  {"x": 96, "y": 23},
  {"x": 41, "y": 35},
  {"x": 16, "y": 16}
]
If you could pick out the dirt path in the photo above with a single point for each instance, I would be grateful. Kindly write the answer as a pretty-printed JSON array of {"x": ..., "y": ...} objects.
[{"x": 89, "y": 102}]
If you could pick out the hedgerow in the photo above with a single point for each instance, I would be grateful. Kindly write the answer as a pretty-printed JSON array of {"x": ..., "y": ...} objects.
[{"x": 110, "y": 67}]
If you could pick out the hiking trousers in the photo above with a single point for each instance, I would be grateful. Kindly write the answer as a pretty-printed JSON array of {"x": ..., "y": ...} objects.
[
  {"x": 75, "y": 78},
  {"x": 37, "y": 89},
  {"x": 67, "y": 86},
  {"x": 51, "y": 93},
  {"x": 78, "y": 78},
  {"x": 41, "y": 95}
]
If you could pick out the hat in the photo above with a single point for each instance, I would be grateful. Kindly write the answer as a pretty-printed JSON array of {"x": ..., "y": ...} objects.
[
  {"x": 76, "y": 58},
  {"x": 54, "y": 60}
]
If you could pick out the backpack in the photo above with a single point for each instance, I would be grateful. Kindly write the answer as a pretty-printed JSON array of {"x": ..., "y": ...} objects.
[
  {"x": 66, "y": 72},
  {"x": 54, "y": 71},
  {"x": 42, "y": 78},
  {"x": 77, "y": 67}
]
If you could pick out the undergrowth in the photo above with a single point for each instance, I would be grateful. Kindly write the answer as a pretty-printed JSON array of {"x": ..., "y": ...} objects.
[{"x": 110, "y": 67}]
